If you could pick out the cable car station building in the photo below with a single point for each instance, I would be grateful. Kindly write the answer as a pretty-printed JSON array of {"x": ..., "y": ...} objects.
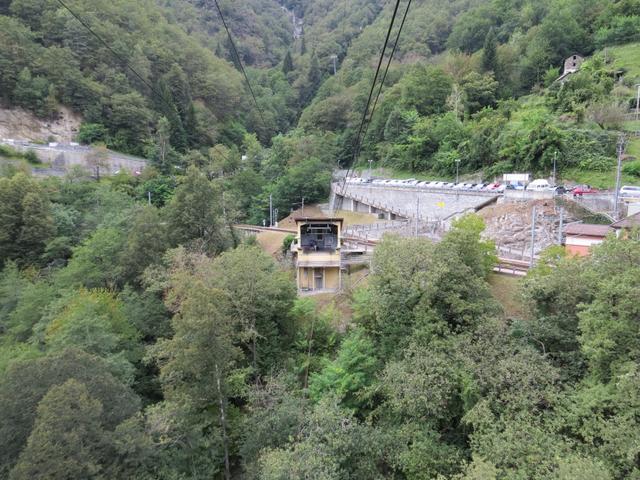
[{"x": 317, "y": 253}]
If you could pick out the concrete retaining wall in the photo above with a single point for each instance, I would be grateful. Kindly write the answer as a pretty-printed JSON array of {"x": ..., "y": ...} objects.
[
  {"x": 63, "y": 157},
  {"x": 407, "y": 202}
]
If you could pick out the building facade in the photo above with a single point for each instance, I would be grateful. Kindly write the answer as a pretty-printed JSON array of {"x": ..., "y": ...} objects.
[
  {"x": 317, "y": 251},
  {"x": 571, "y": 65},
  {"x": 580, "y": 237}
]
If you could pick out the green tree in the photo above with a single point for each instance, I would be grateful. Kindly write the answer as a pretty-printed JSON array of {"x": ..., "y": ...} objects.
[
  {"x": 287, "y": 63},
  {"x": 199, "y": 361},
  {"x": 480, "y": 91},
  {"x": 259, "y": 296},
  {"x": 26, "y": 224},
  {"x": 67, "y": 440},
  {"x": 95, "y": 263},
  {"x": 94, "y": 322},
  {"x": 25, "y": 383},
  {"x": 426, "y": 89},
  {"x": 349, "y": 374},
  {"x": 194, "y": 214},
  {"x": 145, "y": 243},
  {"x": 465, "y": 239},
  {"x": 490, "y": 52}
]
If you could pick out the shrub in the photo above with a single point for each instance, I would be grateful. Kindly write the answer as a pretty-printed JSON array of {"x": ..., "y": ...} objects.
[
  {"x": 597, "y": 163},
  {"x": 91, "y": 132},
  {"x": 31, "y": 157},
  {"x": 622, "y": 29},
  {"x": 632, "y": 168}
]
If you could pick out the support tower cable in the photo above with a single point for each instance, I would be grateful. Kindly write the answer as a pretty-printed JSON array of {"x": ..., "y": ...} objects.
[{"x": 237, "y": 55}]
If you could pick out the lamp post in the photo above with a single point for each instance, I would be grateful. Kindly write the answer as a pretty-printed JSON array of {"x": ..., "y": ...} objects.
[
  {"x": 457, "y": 170},
  {"x": 616, "y": 197},
  {"x": 638, "y": 102},
  {"x": 370, "y": 162}
]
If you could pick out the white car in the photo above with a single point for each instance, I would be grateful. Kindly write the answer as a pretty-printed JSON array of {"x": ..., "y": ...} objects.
[
  {"x": 628, "y": 191},
  {"x": 539, "y": 185}
]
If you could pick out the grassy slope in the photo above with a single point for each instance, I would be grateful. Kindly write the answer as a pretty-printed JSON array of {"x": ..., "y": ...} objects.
[
  {"x": 626, "y": 58},
  {"x": 506, "y": 290}
]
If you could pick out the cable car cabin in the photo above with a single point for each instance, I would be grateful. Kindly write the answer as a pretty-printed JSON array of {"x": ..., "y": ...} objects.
[{"x": 317, "y": 251}]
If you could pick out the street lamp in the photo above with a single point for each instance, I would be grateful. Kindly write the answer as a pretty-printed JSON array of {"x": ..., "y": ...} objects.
[
  {"x": 457, "y": 170},
  {"x": 370, "y": 162}
]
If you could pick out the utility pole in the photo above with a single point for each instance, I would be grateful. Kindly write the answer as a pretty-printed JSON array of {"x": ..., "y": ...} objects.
[
  {"x": 638, "y": 102},
  {"x": 616, "y": 198},
  {"x": 560, "y": 227},
  {"x": 149, "y": 194},
  {"x": 270, "y": 210},
  {"x": 533, "y": 234},
  {"x": 334, "y": 58},
  {"x": 457, "y": 170},
  {"x": 370, "y": 172},
  {"x": 417, "y": 213},
  {"x": 302, "y": 205},
  {"x": 555, "y": 156},
  {"x": 275, "y": 216}
]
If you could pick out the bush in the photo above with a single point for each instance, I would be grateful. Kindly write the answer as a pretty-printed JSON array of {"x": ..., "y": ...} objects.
[
  {"x": 8, "y": 152},
  {"x": 632, "y": 168},
  {"x": 622, "y": 29},
  {"x": 92, "y": 132},
  {"x": 286, "y": 243},
  {"x": 31, "y": 157},
  {"x": 597, "y": 163}
]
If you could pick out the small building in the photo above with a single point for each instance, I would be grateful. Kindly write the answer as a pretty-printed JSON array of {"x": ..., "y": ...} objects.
[
  {"x": 571, "y": 65},
  {"x": 626, "y": 224},
  {"x": 580, "y": 237},
  {"x": 317, "y": 254}
]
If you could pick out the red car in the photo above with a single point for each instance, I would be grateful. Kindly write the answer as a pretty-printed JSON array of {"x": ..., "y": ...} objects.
[{"x": 584, "y": 190}]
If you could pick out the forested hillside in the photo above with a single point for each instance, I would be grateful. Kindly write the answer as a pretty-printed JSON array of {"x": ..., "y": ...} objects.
[{"x": 142, "y": 337}]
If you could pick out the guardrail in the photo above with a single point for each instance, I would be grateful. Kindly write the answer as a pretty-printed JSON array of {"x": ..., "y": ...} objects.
[{"x": 413, "y": 188}]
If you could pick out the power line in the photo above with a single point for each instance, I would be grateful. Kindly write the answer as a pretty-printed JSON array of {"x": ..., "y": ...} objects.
[
  {"x": 121, "y": 59},
  {"x": 235, "y": 51},
  {"x": 114, "y": 53},
  {"x": 384, "y": 77},
  {"x": 358, "y": 143}
]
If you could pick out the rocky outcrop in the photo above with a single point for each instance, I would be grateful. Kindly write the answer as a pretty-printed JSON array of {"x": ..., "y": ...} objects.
[{"x": 19, "y": 124}]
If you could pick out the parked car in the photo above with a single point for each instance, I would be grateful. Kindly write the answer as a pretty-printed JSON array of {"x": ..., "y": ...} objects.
[
  {"x": 492, "y": 186},
  {"x": 479, "y": 186},
  {"x": 628, "y": 191},
  {"x": 560, "y": 190},
  {"x": 515, "y": 186},
  {"x": 584, "y": 190},
  {"x": 539, "y": 185}
]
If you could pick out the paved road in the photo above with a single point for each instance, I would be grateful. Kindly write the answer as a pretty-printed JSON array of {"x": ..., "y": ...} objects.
[{"x": 62, "y": 156}]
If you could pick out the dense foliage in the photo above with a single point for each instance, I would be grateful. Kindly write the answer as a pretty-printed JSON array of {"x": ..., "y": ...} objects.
[
  {"x": 134, "y": 344},
  {"x": 142, "y": 337}
]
